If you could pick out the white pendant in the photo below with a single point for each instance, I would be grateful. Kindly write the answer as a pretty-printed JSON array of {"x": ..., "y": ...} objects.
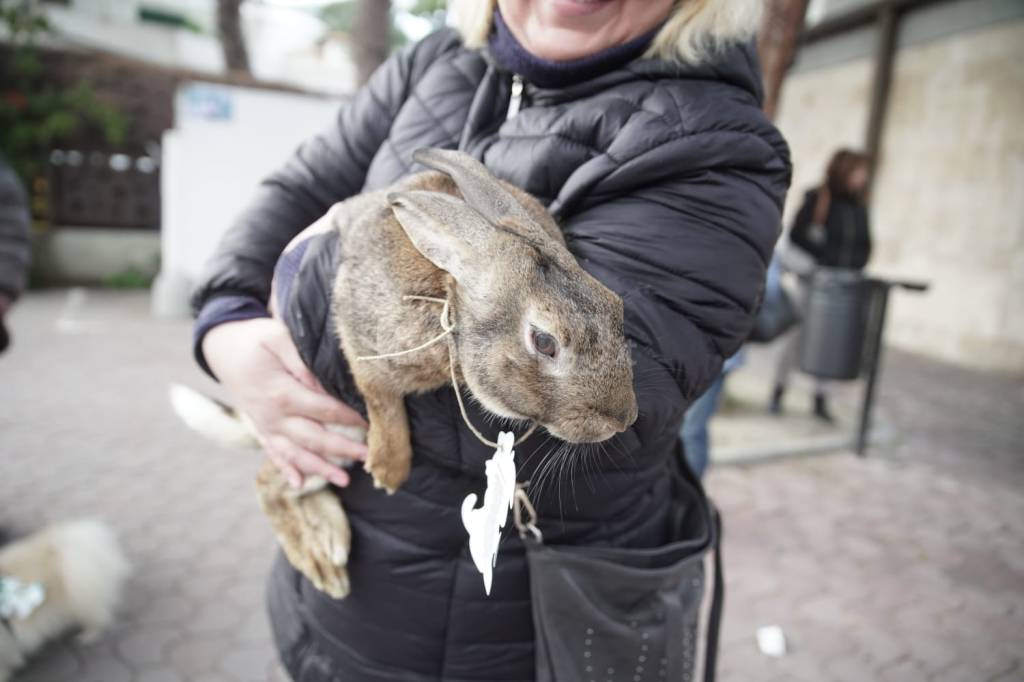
[{"x": 484, "y": 524}]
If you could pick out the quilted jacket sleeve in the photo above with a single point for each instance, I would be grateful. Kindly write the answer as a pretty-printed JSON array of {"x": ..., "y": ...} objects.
[
  {"x": 14, "y": 228},
  {"x": 327, "y": 168},
  {"x": 688, "y": 255}
]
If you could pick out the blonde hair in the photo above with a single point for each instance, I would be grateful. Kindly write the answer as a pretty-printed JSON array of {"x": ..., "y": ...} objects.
[{"x": 695, "y": 30}]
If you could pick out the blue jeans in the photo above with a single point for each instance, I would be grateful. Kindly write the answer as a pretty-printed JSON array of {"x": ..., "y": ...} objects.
[{"x": 695, "y": 426}]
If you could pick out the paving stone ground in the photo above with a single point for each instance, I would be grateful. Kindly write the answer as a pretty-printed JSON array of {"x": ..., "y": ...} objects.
[{"x": 906, "y": 566}]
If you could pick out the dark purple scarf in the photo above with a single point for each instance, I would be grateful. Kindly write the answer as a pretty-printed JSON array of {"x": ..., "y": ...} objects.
[{"x": 512, "y": 56}]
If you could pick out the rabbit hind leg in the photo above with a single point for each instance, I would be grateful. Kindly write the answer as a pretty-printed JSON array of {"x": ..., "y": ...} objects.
[
  {"x": 390, "y": 450},
  {"x": 312, "y": 529}
]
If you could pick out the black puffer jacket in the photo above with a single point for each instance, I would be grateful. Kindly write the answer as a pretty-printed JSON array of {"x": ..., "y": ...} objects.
[
  {"x": 14, "y": 228},
  {"x": 14, "y": 247},
  {"x": 669, "y": 183}
]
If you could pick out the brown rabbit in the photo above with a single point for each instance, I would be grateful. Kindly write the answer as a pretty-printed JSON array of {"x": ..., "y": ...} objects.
[{"x": 534, "y": 337}]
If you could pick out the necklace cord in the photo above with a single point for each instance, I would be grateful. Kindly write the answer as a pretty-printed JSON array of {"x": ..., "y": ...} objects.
[{"x": 448, "y": 328}]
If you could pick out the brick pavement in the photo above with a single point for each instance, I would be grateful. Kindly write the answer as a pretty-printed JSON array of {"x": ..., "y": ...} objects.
[
  {"x": 907, "y": 566},
  {"x": 85, "y": 429}
]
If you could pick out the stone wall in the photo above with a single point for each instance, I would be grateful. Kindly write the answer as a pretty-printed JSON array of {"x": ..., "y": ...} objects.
[{"x": 948, "y": 203}]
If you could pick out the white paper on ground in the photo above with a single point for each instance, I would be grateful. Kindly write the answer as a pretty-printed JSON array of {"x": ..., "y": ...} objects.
[
  {"x": 771, "y": 640},
  {"x": 484, "y": 524}
]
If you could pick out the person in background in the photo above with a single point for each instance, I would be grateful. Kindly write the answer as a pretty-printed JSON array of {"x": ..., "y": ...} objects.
[
  {"x": 832, "y": 228},
  {"x": 694, "y": 434},
  {"x": 14, "y": 250},
  {"x": 696, "y": 439}
]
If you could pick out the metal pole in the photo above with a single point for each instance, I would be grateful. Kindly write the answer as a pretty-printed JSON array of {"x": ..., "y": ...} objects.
[
  {"x": 876, "y": 322},
  {"x": 885, "y": 56},
  {"x": 776, "y": 45}
]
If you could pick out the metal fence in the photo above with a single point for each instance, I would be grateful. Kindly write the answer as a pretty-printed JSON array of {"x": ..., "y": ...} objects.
[
  {"x": 104, "y": 188},
  {"x": 89, "y": 182}
]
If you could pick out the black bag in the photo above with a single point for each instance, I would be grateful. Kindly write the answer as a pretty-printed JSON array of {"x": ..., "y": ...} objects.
[
  {"x": 778, "y": 314},
  {"x": 604, "y": 613}
]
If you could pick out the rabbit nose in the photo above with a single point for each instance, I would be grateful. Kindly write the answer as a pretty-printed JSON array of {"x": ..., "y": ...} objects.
[
  {"x": 631, "y": 414},
  {"x": 628, "y": 416},
  {"x": 623, "y": 418}
]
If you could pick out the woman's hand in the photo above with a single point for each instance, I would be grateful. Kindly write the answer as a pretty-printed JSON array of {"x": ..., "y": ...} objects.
[{"x": 259, "y": 366}]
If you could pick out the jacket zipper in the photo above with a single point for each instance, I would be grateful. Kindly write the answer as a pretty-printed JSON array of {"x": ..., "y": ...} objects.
[{"x": 515, "y": 101}]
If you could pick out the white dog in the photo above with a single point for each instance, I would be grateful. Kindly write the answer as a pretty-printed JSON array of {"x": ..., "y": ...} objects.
[{"x": 68, "y": 576}]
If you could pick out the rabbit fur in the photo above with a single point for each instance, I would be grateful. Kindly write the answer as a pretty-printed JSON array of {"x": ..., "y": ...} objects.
[{"x": 499, "y": 259}]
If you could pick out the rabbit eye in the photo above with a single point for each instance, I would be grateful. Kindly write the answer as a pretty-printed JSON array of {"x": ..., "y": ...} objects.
[{"x": 545, "y": 344}]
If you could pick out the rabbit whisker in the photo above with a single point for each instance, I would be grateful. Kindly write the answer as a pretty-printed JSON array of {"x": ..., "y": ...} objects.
[
  {"x": 539, "y": 448},
  {"x": 546, "y": 469},
  {"x": 619, "y": 448}
]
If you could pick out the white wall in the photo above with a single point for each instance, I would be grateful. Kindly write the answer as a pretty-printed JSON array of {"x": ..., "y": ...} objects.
[
  {"x": 225, "y": 141},
  {"x": 948, "y": 204},
  {"x": 948, "y": 201}
]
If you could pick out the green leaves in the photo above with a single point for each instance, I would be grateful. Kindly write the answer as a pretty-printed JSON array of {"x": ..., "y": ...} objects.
[
  {"x": 37, "y": 113},
  {"x": 22, "y": 20}
]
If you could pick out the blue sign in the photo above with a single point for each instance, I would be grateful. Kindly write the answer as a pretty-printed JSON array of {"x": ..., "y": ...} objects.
[{"x": 207, "y": 102}]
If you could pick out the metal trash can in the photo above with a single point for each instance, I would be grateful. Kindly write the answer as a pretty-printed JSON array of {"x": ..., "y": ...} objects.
[{"x": 835, "y": 324}]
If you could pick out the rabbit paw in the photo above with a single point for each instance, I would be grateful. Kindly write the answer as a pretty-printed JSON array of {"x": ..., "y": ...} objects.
[
  {"x": 311, "y": 528},
  {"x": 326, "y": 539},
  {"x": 389, "y": 473}
]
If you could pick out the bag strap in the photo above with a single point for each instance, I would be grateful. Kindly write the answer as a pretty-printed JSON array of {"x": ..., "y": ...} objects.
[
  {"x": 718, "y": 590},
  {"x": 717, "y": 601}
]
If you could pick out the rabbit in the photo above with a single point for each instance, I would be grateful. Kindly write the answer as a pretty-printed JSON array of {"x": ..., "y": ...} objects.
[{"x": 534, "y": 336}]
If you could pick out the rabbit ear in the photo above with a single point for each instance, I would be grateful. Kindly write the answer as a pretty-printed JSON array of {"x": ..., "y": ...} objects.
[
  {"x": 448, "y": 233},
  {"x": 481, "y": 189}
]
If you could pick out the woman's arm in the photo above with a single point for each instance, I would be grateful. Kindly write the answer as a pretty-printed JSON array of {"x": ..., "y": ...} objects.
[
  {"x": 254, "y": 356},
  {"x": 800, "y": 232},
  {"x": 327, "y": 168}
]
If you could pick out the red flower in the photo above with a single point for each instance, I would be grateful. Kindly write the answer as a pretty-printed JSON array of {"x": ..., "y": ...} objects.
[{"x": 16, "y": 99}]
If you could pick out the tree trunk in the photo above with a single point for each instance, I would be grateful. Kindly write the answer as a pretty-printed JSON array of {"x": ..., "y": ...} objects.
[
  {"x": 229, "y": 25},
  {"x": 776, "y": 45},
  {"x": 371, "y": 37}
]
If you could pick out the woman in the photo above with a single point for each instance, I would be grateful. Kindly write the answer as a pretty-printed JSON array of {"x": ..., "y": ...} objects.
[
  {"x": 832, "y": 228},
  {"x": 638, "y": 123}
]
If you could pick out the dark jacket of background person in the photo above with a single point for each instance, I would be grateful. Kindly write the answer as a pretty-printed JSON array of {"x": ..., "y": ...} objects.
[
  {"x": 14, "y": 247},
  {"x": 14, "y": 228},
  {"x": 846, "y": 241},
  {"x": 668, "y": 181}
]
